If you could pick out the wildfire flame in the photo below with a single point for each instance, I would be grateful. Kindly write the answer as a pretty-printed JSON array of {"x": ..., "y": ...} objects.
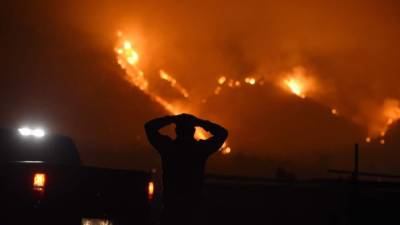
[
  {"x": 296, "y": 87},
  {"x": 128, "y": 59},
  {"x": 174, "y": 83},
  {"x": 390, "y": 114},
  {"x": 391, "y": 111},
  {"x": 221, "y": 80},
  {"x": 234, "y": 83},
  {"x": 250, "y": 80},
  {"x": 298, "y": 83}
]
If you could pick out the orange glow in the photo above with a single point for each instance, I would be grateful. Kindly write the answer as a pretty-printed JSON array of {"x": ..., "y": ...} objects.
[
  {"x": 39, "y": 181},
  {"x": 250, "y": 80},
  {"x": 334, "y": 111},
  {"x": 217, "y": 90},
  {"x": 174, "y": 83},
  {"x": 382, "y": 141},
  {"x": 298, "y": 82},
  {"x": 201, "y": 134},
  {"x": 221, "y": 80},
  {"x": 128, "y": 59},
  {"x": 231, "y": 83},
  {"x": 390, "y": 113},
  {"x": 150, "y": 190},
  {"x": 368, "y": 139},
  {"x": 295, "y": 87},
  {"x": 226, "y": 150},
  {"x": 131, "y": 55}
]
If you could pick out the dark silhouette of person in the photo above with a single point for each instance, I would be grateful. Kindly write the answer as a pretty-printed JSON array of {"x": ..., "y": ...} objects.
[{"x": 183, "y": 163}]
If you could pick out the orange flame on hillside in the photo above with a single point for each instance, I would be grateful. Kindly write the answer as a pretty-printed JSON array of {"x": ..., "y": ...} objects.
[
  {"x": 390, "y": 115},
  {"x": 295, "y": 87},
  {"x": 234, "y": 83},
  {"x": 391, "y": 111},
  {"x": 174, "y": 83},
  {"x": 250, "y": 80},
  {"x": 128, "y": 59},
  {"x": 298, "y": 83}
]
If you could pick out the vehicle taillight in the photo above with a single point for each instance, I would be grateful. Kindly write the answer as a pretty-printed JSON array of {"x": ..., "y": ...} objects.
[
  {"x": 39, "y": 181},
  {"x": 150, "y": 190}
]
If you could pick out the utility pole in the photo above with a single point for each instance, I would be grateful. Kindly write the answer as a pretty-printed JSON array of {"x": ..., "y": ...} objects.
[
  {"x": 356, "y": 162},
  {"x": 354, "y": 195}
]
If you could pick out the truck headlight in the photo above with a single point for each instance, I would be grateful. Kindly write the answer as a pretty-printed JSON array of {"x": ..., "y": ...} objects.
[{"x": 37, "y": 132}]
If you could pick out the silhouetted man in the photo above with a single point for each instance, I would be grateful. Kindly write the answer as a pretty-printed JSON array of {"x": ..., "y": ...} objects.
[{"x": 183, "y": 162}]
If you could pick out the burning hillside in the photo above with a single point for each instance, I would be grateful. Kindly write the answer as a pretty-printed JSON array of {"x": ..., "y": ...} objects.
[
  {"x": 286, "y": 78},
  {"x": 297, "y": 81}
]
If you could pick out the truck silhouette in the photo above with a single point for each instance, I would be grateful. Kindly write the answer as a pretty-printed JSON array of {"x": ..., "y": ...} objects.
[{"x": 43, "y": 181}]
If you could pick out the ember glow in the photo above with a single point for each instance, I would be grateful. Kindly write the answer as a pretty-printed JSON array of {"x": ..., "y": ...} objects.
[
  {"x": 174, "y": 84},
  {"x": 391, "y": 111},
  {"x": 386, "y": 116},
  {"x": 234, "y": 83},
  {"x": 301, "y": 89},
  {"x": 391, "y": 114},
  {"x": 298, "y": 82},
  {"x": 221, "y": 80},
  {"x": 250, "y": 80},
  {"x": 295, "y": 87},
  {"x": 128, "y": 59}
]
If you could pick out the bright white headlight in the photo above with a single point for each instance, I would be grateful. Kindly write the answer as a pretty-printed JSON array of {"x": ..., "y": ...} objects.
[
  {"x": 37, "y": 132},
  {"x": 25, "y": 131}
]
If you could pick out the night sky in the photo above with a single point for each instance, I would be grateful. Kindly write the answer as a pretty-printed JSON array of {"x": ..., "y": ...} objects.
[{"x": 59, "y": 70}]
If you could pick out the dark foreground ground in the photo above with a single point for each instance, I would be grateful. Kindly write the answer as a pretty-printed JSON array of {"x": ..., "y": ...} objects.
[
  {"x": 229, "y": 201},
  {"x": 260, "y": 201}
]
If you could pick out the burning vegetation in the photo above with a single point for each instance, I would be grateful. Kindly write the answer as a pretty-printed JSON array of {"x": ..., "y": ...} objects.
[
  {"x": 297, "y": 81},
  {"x": 282, "y": 79},
  {"x": 128, "y": 59}
]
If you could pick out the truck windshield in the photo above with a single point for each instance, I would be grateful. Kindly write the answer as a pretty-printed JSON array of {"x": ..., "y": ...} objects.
[{"x": 50, "y": 149}]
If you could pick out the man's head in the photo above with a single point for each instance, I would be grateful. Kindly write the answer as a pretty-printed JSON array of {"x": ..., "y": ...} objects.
[{"x": 185, "y": 126}]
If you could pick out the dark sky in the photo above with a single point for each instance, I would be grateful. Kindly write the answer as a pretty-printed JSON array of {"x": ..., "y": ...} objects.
[{"x": 59, "y": 69}]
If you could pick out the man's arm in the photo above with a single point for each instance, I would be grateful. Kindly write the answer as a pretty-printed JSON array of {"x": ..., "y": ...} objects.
[
  {"x": 152, "y": 127},
  {"x": 219, "y": 133}
]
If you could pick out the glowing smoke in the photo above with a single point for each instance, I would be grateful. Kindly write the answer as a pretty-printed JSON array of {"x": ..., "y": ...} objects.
[
  {"x": 128, "y": 59},
  {"x": 297, "y": 81}
]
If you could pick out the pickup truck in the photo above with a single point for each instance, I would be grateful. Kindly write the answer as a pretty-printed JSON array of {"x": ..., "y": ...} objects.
[{"x": 43, "y": 181}]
